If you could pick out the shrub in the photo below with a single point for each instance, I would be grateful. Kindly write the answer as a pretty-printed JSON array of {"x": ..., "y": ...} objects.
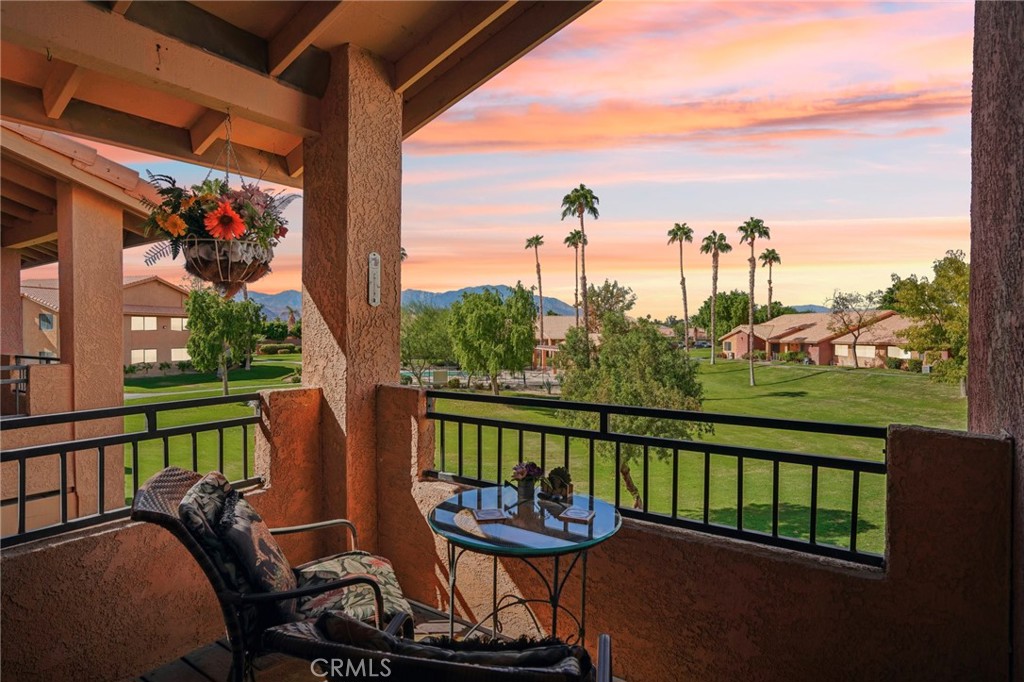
[
  {"x": 722, "y": 355},
  {"x": 914, "y": 365},
  {"x": 275, "y": 329},
  {"x": 130, "y": 369},
  {"x": 165, "y": 367},
  {"x": 145, "y": 367},
  {"x": 405, "y": 380},
  {"x": 276, "y": 348},
  {"x": 480, "y": 386},
  {"x": 285, "y": 351},
  {"x": 894, "y": 363},
  {"x": 184, "y": 366},
  {"x": 454, "y": 383},
  {"x": 296, "y": 331}
]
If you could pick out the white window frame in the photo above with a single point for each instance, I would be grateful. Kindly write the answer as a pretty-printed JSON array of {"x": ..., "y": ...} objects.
[
  {"x": 727, "y": 345},
  {"x": 842, "y": 349},
  {"x": 897, "y": 352},
  {"x": 143, "y": 323},
  {"x": 180, "y": 355},
  {"x": 140, "y": 355},
  {"x": 52, "y": 321},
  {"x": 179, "y": 324}
]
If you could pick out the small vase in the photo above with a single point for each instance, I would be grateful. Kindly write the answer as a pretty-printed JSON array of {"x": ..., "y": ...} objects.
[{"x": 526, "y": 489}]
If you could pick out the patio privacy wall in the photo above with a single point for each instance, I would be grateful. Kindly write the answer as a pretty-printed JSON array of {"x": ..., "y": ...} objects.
[
  {"x": 121, "y": 599},
  {"x": 684, "y": 605}
]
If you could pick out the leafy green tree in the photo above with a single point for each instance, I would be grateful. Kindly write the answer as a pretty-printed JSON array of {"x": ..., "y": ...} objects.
[
  {"x": 939, "y": 310},
  {"x": 731, "y": 310},
  {"x": 681, "y": 232},
  {"x": 634, "y": 365},
  {"x": 222, "y": 331},
  {"x": 296, "y": 331},
  {"x": 275, "y": 330},
  {"x": 490, "y": 335},
  {"x": 574, "y": 240},
  {"x": 535, "y": 242},
  {"x": 715, "y": 243},
  {"x": 750, "y": 231},
  {"x": 579, "y": 201},
  {"x": 770, "y": 257},
  {"x": 852, "y": 313},
  {"x": 425, "y": 339},
  {"x": 610, "y": 297}
]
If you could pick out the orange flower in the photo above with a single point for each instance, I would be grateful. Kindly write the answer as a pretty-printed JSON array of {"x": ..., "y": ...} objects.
[
  {"x": 223, "y": 222},
  {"x": 187, "y": 202},
  {"x": 175, "y": 225}
]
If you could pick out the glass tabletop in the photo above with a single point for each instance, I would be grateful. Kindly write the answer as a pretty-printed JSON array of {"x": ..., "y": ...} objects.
[{"x": 532, "y": 528}]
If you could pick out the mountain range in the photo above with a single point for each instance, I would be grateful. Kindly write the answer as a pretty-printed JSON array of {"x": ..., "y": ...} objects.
[{"x": 275, "y": 305}]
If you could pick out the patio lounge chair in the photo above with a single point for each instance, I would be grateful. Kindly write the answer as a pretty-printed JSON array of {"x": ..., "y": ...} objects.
[{"x": 254, "y": 584}]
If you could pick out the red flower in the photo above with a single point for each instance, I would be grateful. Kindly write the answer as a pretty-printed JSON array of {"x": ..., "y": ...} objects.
[
  {"x": 280, "y": 232},
  {"x": 223, "y": 222}
]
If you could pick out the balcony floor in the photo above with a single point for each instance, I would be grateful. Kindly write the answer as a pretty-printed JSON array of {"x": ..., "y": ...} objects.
[{"x": 212, "y": 663}]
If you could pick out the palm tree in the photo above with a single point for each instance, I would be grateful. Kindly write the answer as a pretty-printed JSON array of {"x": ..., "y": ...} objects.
[
  {"x": 715, "y": 243},
  {"x": 579, "y": 201},
  {"x": 750, "y": 231},
  {"x": 574, "y": 240},
  {"x": 291, "y": 315},
  {"x": 535, "y": 242},
  {"x": 681, "y": 232},
  {"x": 404, "y": 253},
  {"x": 770, "y": 257}
]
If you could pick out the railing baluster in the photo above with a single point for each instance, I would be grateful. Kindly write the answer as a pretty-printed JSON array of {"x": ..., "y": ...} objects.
[
  {"x": 135, "y": 467},
  {"x": 739, "y": 493},
  {"x": 479, "y": 451},
  {"x": 167, "y": 453},
  {"x": 22, "y": 494},
  {"x": 814, "y": 504},
  {"x": 444, "y": 427},
  {"x": 520, "y": 446},
  {"x": 63, "y": 487},
  {"x": 566, "y": 453},
  {"x": 675, "y": 482},
  {"x": 617, "y": 472},
  {"x": 245, "y": 451},
  {"x": 775, "y": 499},
  {"x": 707, "y": 485},
  {"x": 195, "y": 451},
  {"x": 590, "y": 482},
  {"x": 460, "y": 449},
  {"x": 647, "y": 492},
  {"x": 854, "y": 510},
  {"x": 101, "y": 488},
  {"x": 500, "y": 473},
  {"x": 543, "y": 451}
]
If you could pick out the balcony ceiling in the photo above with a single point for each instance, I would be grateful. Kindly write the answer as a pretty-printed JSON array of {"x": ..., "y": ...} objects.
[{"x": 161, "y": 77}]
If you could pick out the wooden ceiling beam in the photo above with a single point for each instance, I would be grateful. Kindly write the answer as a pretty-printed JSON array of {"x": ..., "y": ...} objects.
[
  {"x": 24, "y": 195},
  {"x": 293, "y": 160},
  {"x": 299, "y": 33},
  {"x": 468, "y": 19},
  {"x": 84, "y": 34},
  {"x": 42, "y": 229},
  {"x": 13, "y": 172},
  {"x": 60, "y": 87},
  {"x": 475, "y": 66},
  {"x": 23, "y": 105},
  {"x": 11, "y": 207},
  {"x": 206, "y": 130},
  {"x": 120, "y": 6}
]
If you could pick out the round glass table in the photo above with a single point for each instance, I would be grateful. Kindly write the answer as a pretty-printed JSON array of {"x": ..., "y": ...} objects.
[{"x": 495, "y": 522}]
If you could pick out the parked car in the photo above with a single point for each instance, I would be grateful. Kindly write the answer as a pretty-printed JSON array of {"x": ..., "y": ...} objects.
[{"x": 702, "y": 344}]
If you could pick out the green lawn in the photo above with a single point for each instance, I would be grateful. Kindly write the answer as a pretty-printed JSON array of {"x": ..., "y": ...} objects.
[
  {"x": 794, "y": 392},
  {"x": 264, "y": 371}
]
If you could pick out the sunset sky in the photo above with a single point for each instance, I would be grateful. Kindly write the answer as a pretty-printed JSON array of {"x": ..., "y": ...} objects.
[{"x": 846, "y": 127}]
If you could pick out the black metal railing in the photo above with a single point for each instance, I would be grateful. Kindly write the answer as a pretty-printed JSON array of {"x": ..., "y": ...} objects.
[
  {"x": 14, "y": 382},
  {"x": 767, "y": 496},
  {"x": 37, "y": 359},
  {"x": 145, "y": 451}
]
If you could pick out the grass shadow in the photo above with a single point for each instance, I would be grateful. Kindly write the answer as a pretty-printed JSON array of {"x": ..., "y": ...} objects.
[{"x": 833, "y": 525}]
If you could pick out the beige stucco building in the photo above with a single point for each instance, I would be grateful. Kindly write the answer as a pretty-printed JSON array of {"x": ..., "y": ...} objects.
[{"x": 155, "y": 324}]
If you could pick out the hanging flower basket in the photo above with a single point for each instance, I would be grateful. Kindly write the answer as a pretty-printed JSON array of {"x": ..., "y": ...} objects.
[
  {"x": 227, "y": 237},
  {"x": 228, "y": 265}
]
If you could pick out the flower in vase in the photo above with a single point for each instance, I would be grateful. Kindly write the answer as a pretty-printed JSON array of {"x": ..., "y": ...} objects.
[{"x": 527, "y": 471}]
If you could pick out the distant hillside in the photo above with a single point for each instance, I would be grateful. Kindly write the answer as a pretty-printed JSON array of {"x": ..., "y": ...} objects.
[
  {"x": 446, "y": 298},
  {"x": 274, "y": 305},
  {"x": 810, "y": 308}
]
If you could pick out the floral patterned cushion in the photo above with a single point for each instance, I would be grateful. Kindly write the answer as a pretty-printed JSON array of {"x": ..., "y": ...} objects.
[
  {"x": 261, "y": 558},
  {"x": 357, "y": 601},
  {"x": 200, "y": 509}
]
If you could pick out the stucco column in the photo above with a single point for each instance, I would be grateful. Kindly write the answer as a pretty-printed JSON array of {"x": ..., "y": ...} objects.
[
  {"x": 10, "y": 302},
  {"x": 995, "y": 382},
  {"x": 89, "y": 245},
  {"x": 351, "y": 208}
]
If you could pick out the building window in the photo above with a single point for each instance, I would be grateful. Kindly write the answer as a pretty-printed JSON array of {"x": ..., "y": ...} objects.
[
  {"x": 180, "y": 355},
  {"x": 143, "y": 355},
  {"x": 842, "y": 349},
  {"x": 46, "y": 322},
  {"x": 140, "y": 324},
  {"x": 865, "y": 351},
  {"x": 727, "y": 345},
  {"x": 179, "y": 324},
  {"x": 897, "y": 352}
]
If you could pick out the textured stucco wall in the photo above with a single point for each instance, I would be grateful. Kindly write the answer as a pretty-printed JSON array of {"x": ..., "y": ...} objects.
[
  {"x": 683, "y": 605},
  {"x": 352, "y": 207},
  {"x": 995, "y": 381},
  {"x": 10, "y": 302},
  {"x": 89, "y": 244},
  {"x": 118, "y": 600}
]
